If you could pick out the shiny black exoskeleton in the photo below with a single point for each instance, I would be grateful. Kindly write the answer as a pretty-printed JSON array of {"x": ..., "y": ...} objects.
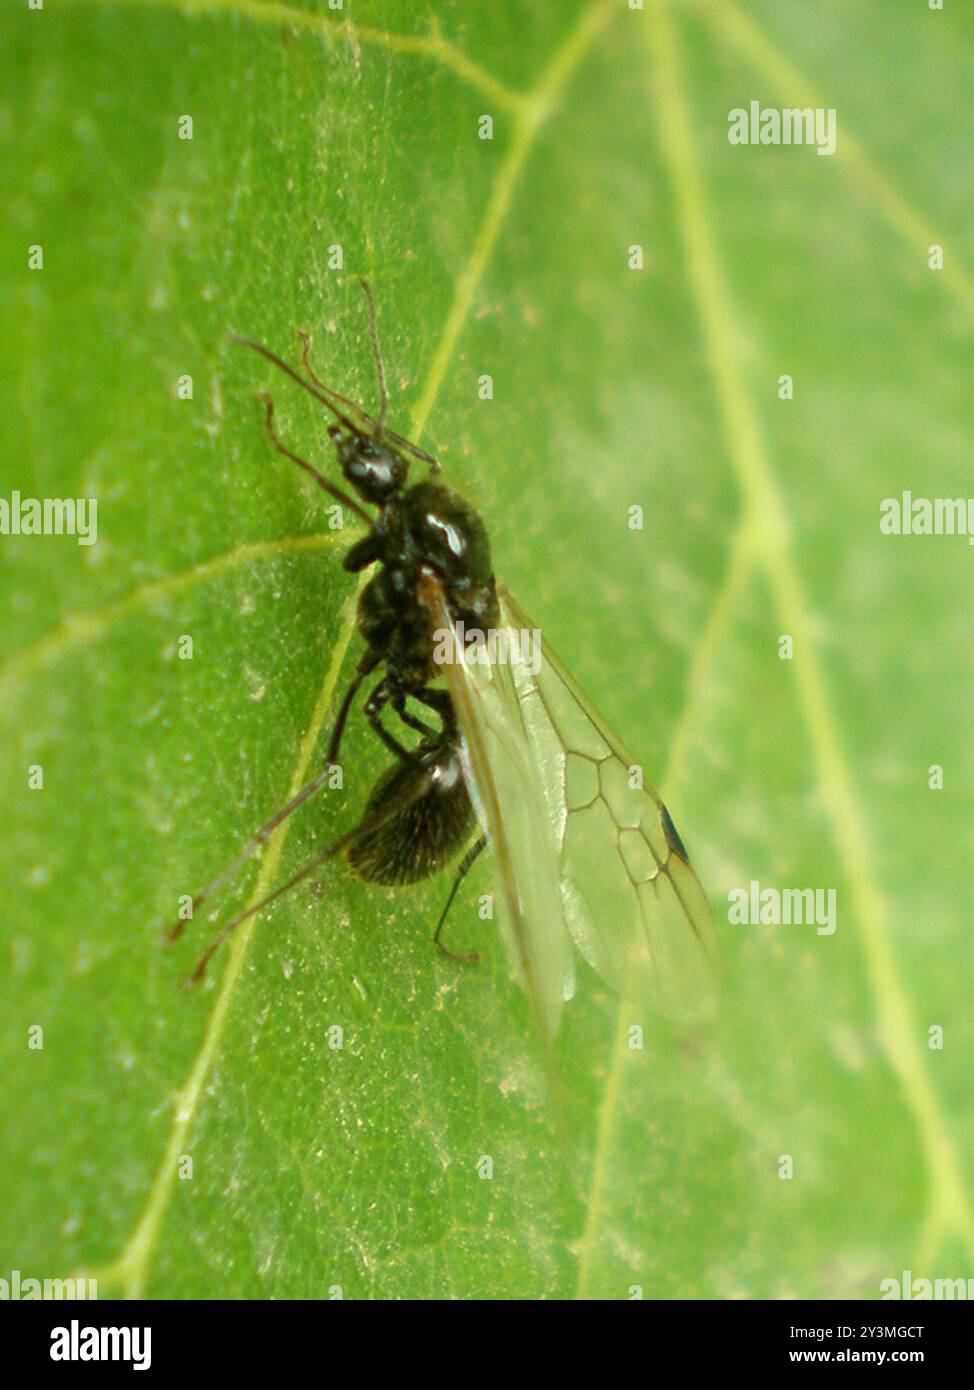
[
  {"x": 428, "y": 526},
  {"x": 419, "y": 813},
  {"x": 431, "y": 823},
  {"x": 425, "y": 527}
]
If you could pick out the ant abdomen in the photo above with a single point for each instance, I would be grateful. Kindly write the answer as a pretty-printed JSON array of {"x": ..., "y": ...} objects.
[{"x": 433, "y": 823}]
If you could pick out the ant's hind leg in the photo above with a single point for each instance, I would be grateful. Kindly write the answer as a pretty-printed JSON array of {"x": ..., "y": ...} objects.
[
  {"x": 374, "y": 706},
  {"x": 342, "y": 845},
  {"x": 440, "y": 703},
  {"x": 465, "y": 865},
  {"x": 267, "y": 829},
  {"x": 365, "y": 667},
  {"x": 410, "y": 720}
]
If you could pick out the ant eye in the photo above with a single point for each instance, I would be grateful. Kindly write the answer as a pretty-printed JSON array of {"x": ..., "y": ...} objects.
[{"x": 367, "y": 449}]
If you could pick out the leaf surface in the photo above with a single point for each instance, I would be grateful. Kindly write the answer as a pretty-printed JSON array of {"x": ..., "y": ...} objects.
[{"x": 316, "y": 1167}]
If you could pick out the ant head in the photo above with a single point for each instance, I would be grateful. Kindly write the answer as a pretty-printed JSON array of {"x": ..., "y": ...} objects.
[{"x": 376, "y": 471}]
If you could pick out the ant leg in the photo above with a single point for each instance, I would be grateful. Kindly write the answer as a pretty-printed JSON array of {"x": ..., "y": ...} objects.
[
  {"x": 365, "y": 667},
  {"x": 339, "y": 846},
  {"x": 309, "y": 468},
  {"x": 466, "y": 864},
  {"x": 235, "y": 922},
  {"x": 399, "y": 705},
  {"x": 440, "y": 703},
  {"x": 374, "y": 706},
  {"x": 267, "y": 829}
]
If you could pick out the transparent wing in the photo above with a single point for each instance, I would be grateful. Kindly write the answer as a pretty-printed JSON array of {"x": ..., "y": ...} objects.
[
  {"x": 501, "y": 769},
  {"x": 632, "y": 902},
  {"x": 586, "y": 851}
]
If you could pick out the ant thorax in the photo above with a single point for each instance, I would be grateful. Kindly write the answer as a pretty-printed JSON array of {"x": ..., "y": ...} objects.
[{"x": 428, "y": 527}]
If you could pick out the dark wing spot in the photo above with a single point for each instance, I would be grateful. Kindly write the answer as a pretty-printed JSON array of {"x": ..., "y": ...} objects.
[{"x": 673, "y": 835}]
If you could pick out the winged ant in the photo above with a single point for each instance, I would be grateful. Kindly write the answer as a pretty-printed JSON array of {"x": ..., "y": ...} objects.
[
  {"x": 588, "y": 858},
  {"x": 419, "y": 814}
]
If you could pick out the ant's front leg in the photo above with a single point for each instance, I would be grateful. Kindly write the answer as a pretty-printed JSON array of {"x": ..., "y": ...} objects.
[{"x": 363, "y": 553}]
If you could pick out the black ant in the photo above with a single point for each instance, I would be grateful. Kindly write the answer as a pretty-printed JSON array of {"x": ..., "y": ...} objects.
[{"x": 419, "y": 814}]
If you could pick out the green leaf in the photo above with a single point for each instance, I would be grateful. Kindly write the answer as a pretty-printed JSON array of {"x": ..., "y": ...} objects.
[{"x": 316, "y": 1167}]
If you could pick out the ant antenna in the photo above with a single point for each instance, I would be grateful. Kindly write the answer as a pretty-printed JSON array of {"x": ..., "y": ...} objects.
[
  {"x": 380, "y": 370},
  {"x": 319, "y": 390},
  {"x": 340, "y": 406},
  {"x": 374, "y": 427}
]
